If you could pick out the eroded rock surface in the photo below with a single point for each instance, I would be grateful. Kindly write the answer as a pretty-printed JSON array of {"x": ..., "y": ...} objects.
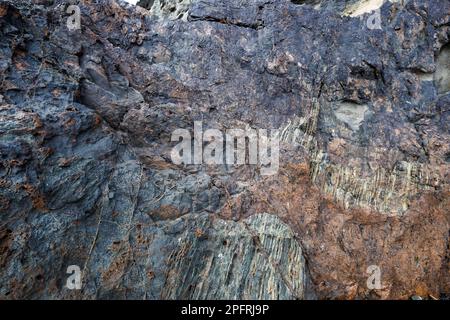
[
  {"x": 256, "y": 258},
  {"x": 86, "y": 176}
]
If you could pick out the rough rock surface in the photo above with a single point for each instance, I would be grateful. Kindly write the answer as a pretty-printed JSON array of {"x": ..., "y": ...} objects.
[{"x": 86, "y": 177}]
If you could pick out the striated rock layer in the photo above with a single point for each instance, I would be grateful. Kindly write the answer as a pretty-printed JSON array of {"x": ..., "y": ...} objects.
[{"x": 86, "y": 176}]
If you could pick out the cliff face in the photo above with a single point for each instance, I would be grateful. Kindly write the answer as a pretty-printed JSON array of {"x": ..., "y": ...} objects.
[{"x": 361, "y": 99}]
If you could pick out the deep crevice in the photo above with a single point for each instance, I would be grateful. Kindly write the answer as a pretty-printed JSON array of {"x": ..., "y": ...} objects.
[{"x": 255, "y": 26}]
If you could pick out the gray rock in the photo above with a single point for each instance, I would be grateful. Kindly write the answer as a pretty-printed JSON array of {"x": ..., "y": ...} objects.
[{"x": 86, "y": 176}]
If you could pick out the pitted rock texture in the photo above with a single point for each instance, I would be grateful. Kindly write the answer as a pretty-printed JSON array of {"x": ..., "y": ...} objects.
[
  {"x": 167, "y": 9},
  {"x": 86, "y": 176}
]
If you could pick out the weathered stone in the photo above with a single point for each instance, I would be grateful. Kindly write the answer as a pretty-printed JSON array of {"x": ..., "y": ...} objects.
[
  {"x": 442, "y": 75},
  {"x": 256, "y": 258},
  {"x": 86, "y": 177},
  {"x": 352, "y": 114}
]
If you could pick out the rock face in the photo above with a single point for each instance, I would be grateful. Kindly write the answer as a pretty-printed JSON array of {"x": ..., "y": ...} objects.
[
  {"x": 362, "y": 103},
  {"x": 257, "y": 258}
]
